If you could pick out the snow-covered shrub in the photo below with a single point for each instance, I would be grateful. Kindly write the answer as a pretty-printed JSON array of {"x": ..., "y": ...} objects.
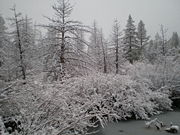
[
  {"x": 164, "y": 75},
  {"x": 74, "y": 105},
  {"x": 159, "y": 78}
]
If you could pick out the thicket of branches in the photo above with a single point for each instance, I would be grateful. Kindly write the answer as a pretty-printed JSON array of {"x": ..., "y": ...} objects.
[
  {"x": 77, "y": 104},
  {"x": 72, "y": 78}
]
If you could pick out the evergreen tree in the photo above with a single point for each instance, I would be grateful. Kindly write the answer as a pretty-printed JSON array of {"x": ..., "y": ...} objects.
[
  {"x": 130, "y": 41},
  {"x": 151, "y": 52},
  {"x": 175, "y": 40},
  {"x": 142, "y": 36},
  {"x": 174, "y": 45}
]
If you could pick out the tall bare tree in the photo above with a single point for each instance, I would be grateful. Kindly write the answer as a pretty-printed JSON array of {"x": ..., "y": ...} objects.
[
  {"x": 116, "y": 40},
  {"x": 104, "y": 52},
  {"x": 94, "y": 49},
  {"x": 163, "y": 32},
  {"x": 17, "y": 21},
  {"x": 66, "y": 34}
]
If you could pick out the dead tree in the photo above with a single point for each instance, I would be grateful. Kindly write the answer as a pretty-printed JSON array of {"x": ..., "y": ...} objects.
[
  {"x": 66, "y": 34},
  {"x": 116, "y": 43},
  {"x": 103, "y": 53},
  {"x": 17, "y": 21}
]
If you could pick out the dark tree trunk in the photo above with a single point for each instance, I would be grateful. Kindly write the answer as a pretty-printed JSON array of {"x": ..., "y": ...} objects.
[
  {"x": 117, "y": 57},
  {"x": 104, "y": 56},
  {"x": 23, "y": 69}
]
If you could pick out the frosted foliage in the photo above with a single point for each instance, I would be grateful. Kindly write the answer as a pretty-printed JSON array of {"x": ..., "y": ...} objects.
[
  {"x": 72, "y": 106},
  {"x": 3, "y": 50},
  {"x": 131, "y": 49},
  {"x": 163, "y": 76}
]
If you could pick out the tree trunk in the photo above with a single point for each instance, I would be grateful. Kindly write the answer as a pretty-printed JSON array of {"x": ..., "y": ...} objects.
[
  {"x": 117, "y": 57},
  {"x": 62, "y": 52},
  {"x": 130, "y": 51},
  {"x": 23, "y": 70},
  {"x": 104, "y": 56}
]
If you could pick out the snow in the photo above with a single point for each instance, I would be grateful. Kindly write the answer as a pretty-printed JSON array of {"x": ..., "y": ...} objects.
[
  {"x": 82, "y": 102},
  {"x": 64, "y": 91}
]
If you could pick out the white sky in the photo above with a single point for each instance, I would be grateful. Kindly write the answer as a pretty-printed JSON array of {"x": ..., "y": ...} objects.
[{"x": 152, "y": 12}]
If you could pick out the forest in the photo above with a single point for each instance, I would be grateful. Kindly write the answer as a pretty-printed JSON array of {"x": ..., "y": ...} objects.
[{"x": 72, "y": 79}]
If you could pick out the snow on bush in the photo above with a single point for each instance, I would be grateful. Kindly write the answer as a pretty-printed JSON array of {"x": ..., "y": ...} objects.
[
  {"x": 72, "y": 106},
  {"x": 160, "y": 78},
  {"x": 165, "y": 74}
]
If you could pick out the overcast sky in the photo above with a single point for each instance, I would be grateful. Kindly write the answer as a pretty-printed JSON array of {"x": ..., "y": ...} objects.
[{"x": 152, "y": 12}]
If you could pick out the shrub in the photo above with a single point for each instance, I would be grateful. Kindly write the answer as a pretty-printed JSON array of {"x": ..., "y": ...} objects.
[{"x": 78, "y": 103}]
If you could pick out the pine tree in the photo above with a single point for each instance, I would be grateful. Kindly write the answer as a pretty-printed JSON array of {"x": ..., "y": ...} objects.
[
  {"x": 175, "y": 40},
  {"x": 155, "y": 49},
  {"x": 174, "y": 44},
  {"x": 142, "y": 37},
  {"x": 151, "y": 52},
  {"x": 130, "y": 41}
]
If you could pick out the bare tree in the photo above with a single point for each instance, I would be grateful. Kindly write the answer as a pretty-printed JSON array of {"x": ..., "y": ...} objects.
[
  {"x": 17, "y": 22},
  {"x": 94, "y": 48},
  {"x": 116, "y": 37},
  {"x": 163, "y": 31},
  {"x": 66, "y": 34},
  {"x": 104, "y": 52}
]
